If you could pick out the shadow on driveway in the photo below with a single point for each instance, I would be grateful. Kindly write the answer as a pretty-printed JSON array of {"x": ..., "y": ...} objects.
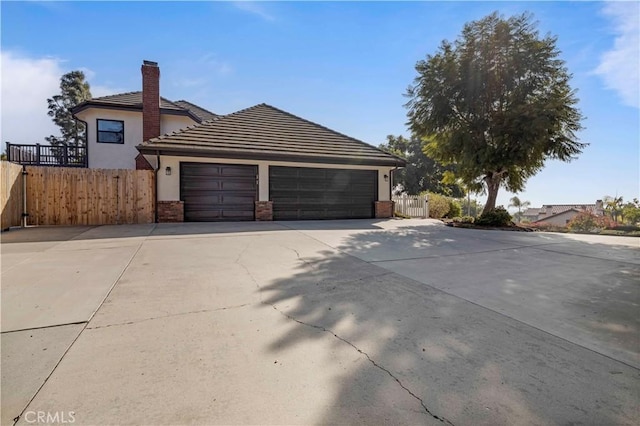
[{"x": 464, "y": 363}]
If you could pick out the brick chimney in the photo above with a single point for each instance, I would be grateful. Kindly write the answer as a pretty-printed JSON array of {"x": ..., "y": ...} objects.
[{"x": 150, "y": 100}]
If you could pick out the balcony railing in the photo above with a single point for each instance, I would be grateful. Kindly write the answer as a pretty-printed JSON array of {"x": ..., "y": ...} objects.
[{"x": 47, "y": 155}]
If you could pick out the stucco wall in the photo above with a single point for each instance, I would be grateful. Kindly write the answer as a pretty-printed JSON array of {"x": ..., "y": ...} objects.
[
  {"x": 561, "y": 219},
  {"x": 122, "y": 156},
  {"x": 169, "y": 186}
]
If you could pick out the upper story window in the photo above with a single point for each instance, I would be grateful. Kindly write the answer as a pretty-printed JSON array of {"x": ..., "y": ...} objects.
[{"x": 110, "y": 131}]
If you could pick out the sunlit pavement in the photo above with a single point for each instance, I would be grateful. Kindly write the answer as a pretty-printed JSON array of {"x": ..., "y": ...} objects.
[{"x": 357, "y": 322}]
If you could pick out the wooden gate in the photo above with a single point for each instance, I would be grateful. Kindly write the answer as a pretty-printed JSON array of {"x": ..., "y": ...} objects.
[
  {"x": 412, "y": 205},
  {"x": 73, "y": 196}
]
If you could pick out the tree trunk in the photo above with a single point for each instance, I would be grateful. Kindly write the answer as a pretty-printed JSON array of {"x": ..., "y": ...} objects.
[{"x": 493, "y": 184}]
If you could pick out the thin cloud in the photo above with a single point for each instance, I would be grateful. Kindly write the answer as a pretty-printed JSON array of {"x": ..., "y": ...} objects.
[
  {"x": 620, "y": 66},
  {"x": 27, "y": 82},
  {"x": 255, "y": 8},
  {"x": 26, "y": 85}
]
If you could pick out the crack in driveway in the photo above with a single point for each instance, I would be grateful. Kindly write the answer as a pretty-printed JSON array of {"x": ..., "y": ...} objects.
[
  {"x": 342, "y": 339},
  {"x": 372, "y": 361},
  {"x": 201, "y": 311}
]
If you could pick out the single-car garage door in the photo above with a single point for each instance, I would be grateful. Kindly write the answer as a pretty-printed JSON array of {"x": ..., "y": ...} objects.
[
  {"x": 309, "y": 193},
  {"x": 217, "y": 192}
]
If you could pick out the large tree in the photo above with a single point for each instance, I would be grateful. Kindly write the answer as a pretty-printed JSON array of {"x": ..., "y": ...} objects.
[
  {"x": 73, "y": 90},
  {"x": 421, "y": 173},
  {"x": 496, "y": 103}
]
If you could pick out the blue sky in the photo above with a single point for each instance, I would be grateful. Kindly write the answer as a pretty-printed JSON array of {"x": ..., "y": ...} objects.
[{"x": 345, "y": 65}]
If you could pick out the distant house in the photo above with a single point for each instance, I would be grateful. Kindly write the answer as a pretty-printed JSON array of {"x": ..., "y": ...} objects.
[{"x": 561, "y": 214}]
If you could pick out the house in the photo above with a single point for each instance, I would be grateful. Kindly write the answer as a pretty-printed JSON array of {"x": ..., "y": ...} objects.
[
  {"x": 260, "y": 163},
  {"x": 561, "y": 214},
  {"x": 115, "y": 123}
]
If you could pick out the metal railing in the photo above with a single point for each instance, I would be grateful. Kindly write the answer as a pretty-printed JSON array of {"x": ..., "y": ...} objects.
[{"x": 47, "y": 155}]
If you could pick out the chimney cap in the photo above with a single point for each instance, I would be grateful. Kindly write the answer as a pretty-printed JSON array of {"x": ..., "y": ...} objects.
[{"x": 149, "y": 63}]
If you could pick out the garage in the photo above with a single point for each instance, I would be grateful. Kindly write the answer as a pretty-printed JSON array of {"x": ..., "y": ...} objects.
[
  {"x": 218, "y": 192},
  {"x": 319, "y": 193}
]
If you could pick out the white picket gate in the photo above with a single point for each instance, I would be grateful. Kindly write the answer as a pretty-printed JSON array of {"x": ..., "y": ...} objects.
[{"x": 412, "y": 205}]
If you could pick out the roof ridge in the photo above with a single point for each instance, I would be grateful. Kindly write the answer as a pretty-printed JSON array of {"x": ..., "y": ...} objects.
[
  {"x": 328, "y": 129},
  {"x": 115, "y": 94},
  {"x": 197, "y": 106}
]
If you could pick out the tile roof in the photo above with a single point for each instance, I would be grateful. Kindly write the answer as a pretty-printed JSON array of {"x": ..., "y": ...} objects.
[
  {"x": 553, "y": 209},
  {"x": 202, "y": 113},
  {"x": 545, "y": 218},
  {"x": 531, "y": 211},
  {"x": 133, "y": 100},
  {"x": 265, "y": 132}
]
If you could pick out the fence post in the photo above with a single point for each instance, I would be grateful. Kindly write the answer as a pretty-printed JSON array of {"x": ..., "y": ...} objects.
[
  {"x": 8, "y": 151},
  {"x": 65, "y": 159},
  {"x": 426, "y": 206},
  {"x": 38, "y": 154}
]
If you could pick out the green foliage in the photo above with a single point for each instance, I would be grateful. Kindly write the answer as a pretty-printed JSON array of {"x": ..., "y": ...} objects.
[
  {"x": 421, "y": 173},
  {"x": 496, "y": 104},
  {"x": 520, "y": 205},
  {"x": 626, "y": 228},
  {"x": 438, "y": 206},
  {"x": 548, "y": 227},
  {"x": 587, "y": 222},
  {"x": 454, "y": 209},
  {"x": 613, "y": 207},
  {"x": 73, "y": 90},
  {"x": 471, "y": 207},
  {"x": 496, "y": 217},
  {"x": 463, "y": 219},
  {"x": 631, "y": 212}
]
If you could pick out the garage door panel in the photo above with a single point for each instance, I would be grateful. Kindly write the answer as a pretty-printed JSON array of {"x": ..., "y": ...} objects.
[
  {"x": 308, "y": 193},
  {"x": 215, "y": 192}
]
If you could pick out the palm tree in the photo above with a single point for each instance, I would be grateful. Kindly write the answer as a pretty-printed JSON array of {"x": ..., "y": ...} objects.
[{"x": 520, "y": 205}]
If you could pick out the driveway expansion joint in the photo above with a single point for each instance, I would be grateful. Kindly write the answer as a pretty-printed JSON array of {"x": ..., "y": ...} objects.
[{"x": 44, "y": 326}]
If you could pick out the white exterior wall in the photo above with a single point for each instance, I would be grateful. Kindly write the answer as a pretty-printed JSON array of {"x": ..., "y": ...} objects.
[
  {"x": 561, "y": 219},
  {"x": 169, "y": 186},
  {"x": 122, "y": 156}
]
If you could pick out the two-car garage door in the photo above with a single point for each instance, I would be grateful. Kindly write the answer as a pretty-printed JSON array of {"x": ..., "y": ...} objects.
[
  {"x": 227, "y": 192},
  {"x": 310, "y": 193}
]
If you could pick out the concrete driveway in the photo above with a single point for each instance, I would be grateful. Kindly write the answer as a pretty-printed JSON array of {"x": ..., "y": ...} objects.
[{"x": 356, "y": 322}]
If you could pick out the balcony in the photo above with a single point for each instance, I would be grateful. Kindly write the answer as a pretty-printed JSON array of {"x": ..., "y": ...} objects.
[{"x": 47, "y": 155}]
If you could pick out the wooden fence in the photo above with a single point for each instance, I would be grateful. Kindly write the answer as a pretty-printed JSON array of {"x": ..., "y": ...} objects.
[
  {"x": 412, "y": 205},
  {"x": 72, "y": 196},
  {"x": 11, "y": 194}
]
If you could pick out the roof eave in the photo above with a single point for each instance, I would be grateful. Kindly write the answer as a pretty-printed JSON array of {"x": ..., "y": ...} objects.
[
  {"x": 89, "y": 104},
  {"x": 176, "y": 151}
]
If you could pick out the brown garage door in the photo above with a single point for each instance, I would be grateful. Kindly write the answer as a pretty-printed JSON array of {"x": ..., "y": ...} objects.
[
  {"x": 217, "y": 192},
  {"x": 309, "y": 193}
]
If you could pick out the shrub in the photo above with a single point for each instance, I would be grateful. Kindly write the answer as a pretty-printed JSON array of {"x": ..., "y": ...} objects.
[
  {"x": 467, "y": 219},
  {"x": 547, "y": 227},
  {"x": 587, "y": 222},
  {"x": 438, "y": 206},
  {"x": 496, "y": 217},
  {"x": 454, "y": 209},
  {"x": 626, "y": 228},
  {"x": 463, "y": 219}
]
